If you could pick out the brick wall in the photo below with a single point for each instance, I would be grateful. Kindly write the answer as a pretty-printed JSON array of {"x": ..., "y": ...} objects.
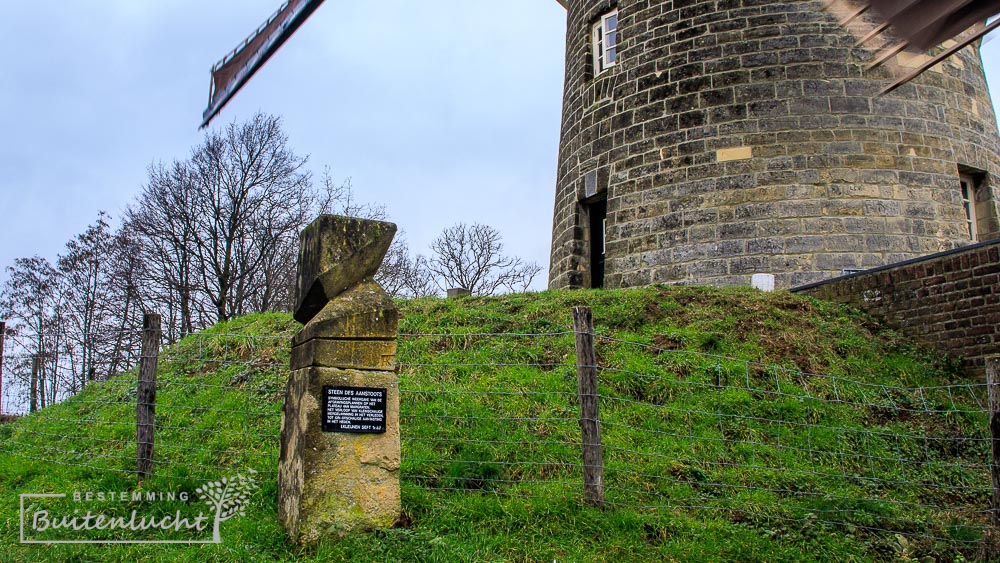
[
  {"x": 949, "y": 300},
  {"x": 736, "y": 137}
]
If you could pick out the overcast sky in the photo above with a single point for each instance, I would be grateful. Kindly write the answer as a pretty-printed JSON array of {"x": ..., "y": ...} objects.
[{"x": 443, "y": 115}]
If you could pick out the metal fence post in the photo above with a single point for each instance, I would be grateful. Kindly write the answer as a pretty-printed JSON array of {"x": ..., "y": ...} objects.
[
  {"x": 993, "y": 386},
  {"x": 145, "y": 400},
  {"x": 590, "y": 422}
]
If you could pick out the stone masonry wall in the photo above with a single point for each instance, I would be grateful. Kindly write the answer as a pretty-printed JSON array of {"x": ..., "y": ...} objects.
[
  {"x": 745, "y": 136},
  {"x": 950, "y": 300}
]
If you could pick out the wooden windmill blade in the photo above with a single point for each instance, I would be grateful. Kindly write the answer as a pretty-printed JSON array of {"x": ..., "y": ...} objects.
[
  {"x": 926, "y": 23},
  {"x": 236, "y": 68},
  {"x": 916, "y": 26}
]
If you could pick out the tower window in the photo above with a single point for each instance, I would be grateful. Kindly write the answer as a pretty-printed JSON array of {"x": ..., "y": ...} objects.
[
  {"x": 968, "y": 187},
  {"x": 605, "y": 39}
]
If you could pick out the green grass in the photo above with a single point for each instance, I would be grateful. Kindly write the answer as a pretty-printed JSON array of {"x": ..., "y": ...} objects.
[{"x": 719, "y": 443}]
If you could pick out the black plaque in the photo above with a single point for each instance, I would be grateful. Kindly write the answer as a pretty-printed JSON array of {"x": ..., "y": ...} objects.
[{"x": 360, "y": 410}]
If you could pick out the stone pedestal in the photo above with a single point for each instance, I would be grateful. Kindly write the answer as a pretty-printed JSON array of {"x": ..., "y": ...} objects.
[
  {"x": 331, "y": 482},
  {"x": 340, "y": 454},
  {"x": 355, "y": 330}
]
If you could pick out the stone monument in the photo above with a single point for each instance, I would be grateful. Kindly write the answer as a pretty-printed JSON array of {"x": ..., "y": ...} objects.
[{"x": 339, "y": 465}]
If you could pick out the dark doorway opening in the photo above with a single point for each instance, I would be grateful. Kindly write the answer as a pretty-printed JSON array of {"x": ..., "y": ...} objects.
[{"x": 598, "y": 215}]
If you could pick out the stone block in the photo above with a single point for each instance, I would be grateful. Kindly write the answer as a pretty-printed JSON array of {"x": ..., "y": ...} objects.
[
  {"x": 725, "y": 248},
  {"x": 837, "y": 261},
  {"x": 765, "y": 245},
  {"x": 808, "y": 243},
  {"x": 362, "y": 312},
  {"x": 345, "y": 353},
  {"x": 736, "y": 153},
  {"x": 750, "y": 265},
  {"x": 336, "y": 253},
  {"x": 332, "y": 483}
]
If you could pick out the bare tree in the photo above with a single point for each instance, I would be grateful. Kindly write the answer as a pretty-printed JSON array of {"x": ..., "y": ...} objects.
[
  {"x": 219, "y": 232},
  {"x": 30, "y": 299},
  {"x": 127, "y": 303},
  {"x": 403, "y": 275},
  {"x": 248, "y": 184},
  {"x": 85, "y": 285},
  {"x": 208, "y": 238},
  {"x": 471, "y": 257},
  {"x": 162, "y": 221},
  {"x": 340, "y": 199}
]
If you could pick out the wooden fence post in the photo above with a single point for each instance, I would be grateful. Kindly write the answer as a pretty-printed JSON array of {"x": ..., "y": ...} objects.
[
  {"x": 33, "y": 405},
  {"x": 145, "y": 400},
  {"x": 3, "y": 332},
  {"x": 590, "y": 422},
  {"x": 993, "y": 386}
]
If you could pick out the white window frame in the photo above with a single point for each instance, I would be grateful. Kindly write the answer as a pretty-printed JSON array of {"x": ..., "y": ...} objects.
[
  {"x": 604, "y": 234},
  {"x": 605, "y": 53},
  {"x": 967, "y": 187}
]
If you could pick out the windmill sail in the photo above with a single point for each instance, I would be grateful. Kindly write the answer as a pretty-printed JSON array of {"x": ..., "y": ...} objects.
[
  {"x": 916, "y": 26},
  {"x": 926, "y": 23},
  {"x": 236, "y": 68}
]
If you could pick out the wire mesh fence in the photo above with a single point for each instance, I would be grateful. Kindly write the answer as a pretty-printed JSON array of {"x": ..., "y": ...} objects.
[
  {"x": 490, "y": 413},
  {"x": 706, "y": 435},
  {"x": 755, "y": 443},
  {"x": 217, "y": 405}
]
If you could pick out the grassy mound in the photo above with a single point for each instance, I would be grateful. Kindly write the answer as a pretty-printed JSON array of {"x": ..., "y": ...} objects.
[{"x": 737, "y": 425}]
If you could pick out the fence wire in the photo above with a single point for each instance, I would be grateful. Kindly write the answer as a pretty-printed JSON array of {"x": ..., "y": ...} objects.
[
  {"x": 217, "y": 406},
  {"x": 490, "y": 413},
  {"x": 715, "y": 437},
  {"x": 781, "y": 446}
]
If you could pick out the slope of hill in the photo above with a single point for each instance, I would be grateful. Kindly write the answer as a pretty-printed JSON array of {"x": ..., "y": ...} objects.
[{"x": 737, "y": 425}]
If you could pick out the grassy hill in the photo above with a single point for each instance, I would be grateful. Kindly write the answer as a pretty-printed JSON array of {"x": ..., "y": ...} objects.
[{"x": 737, "y": 425}]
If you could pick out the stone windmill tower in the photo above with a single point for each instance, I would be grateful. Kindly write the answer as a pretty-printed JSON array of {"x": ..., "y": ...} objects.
[{"x": 707, "y": 140}]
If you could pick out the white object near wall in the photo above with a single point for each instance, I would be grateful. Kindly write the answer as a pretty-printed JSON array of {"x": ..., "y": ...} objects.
[{"x": 763, "y": 282}]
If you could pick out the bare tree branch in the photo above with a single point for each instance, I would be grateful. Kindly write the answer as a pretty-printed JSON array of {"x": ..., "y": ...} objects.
[
  {"x": 471, "y": 257},
  {"x": 403, "y": 275},
  {"x": 251, "y": 195}
]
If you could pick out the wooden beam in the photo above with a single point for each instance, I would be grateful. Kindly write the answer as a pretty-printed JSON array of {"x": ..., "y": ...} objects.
[{"x": 942, "y": 56}]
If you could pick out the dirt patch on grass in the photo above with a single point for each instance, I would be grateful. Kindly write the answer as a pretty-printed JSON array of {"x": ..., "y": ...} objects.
[{"x": 664, "y": 342}]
